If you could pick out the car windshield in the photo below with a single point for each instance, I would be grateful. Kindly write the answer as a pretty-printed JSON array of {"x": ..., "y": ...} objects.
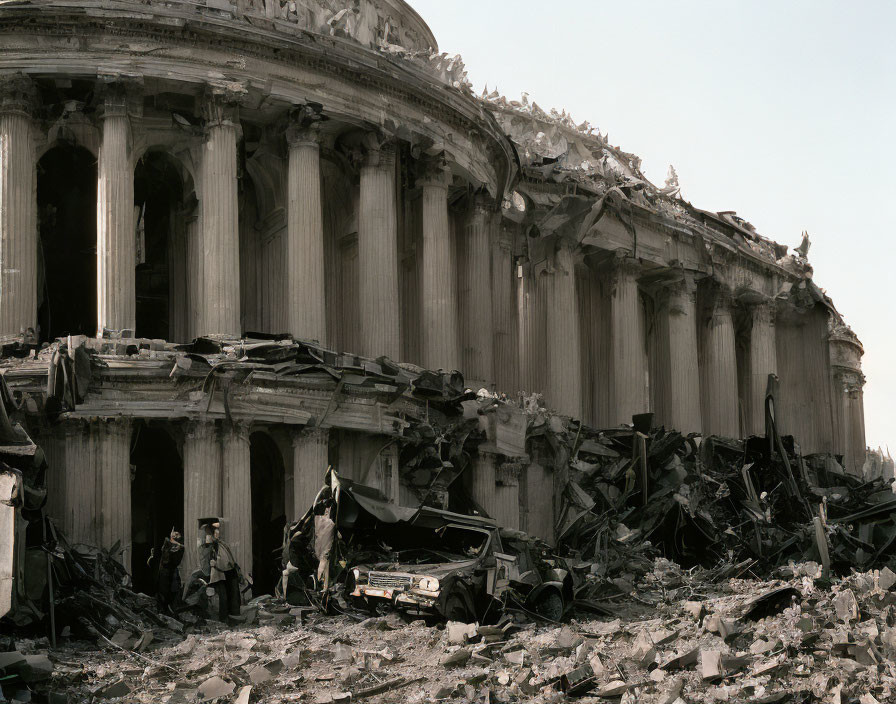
[{"x": 414, "y": 545}]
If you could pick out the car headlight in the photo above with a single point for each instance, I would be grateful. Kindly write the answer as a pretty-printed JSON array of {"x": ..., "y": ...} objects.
[
  {"x": 428, "y": 584},
  {"x": 356, "y": 573}
]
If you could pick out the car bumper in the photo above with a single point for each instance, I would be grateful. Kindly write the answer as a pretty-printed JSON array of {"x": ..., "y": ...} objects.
[{"x": 399, "y": 597}]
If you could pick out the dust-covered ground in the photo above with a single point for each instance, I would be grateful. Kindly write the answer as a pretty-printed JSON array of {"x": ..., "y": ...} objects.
[{"x": 675, "y": 638}]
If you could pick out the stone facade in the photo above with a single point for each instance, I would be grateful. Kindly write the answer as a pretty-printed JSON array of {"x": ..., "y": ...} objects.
[{"x": 305, "y": 169}]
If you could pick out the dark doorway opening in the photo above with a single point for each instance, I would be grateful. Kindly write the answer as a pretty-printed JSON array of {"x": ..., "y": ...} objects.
[
  {"x": 66, "y": 206},
  {"x": 158, "y": 198},
  {"x": 268, "y": 511},
  {"x": 157, "y": 499}
]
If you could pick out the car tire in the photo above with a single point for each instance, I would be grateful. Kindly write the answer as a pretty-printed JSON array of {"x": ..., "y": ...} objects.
[
  {"x": 549, "y": 604},
  {"x": 456, "y": 609}
]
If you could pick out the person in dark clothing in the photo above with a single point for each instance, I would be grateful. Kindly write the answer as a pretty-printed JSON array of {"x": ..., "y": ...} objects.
[
  {"x": 217, "y": 561},
  {"x": 168, "y": 582}
]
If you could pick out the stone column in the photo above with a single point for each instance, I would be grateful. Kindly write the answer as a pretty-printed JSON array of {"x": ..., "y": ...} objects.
[
  {"x": 628, "y": 347},
  {"x": 564, "y": 387},
  {"x": 202, "y": 486},
  {"x": 18, "y": 208},
  {"x": 378, "y": 254},
  {"x": 483, "y": 478},
  {"x": 678, "y": 385},
  {"x": 763, "y": 361},
  {"x": 438, "y": 279},
  {"x": 116, "y": 256},
  {"x": 218, "y": 217},
  {"x": 507, "y": 494},
  {"x": 83, "y": 489},
  {"x": 112, "y": 442},
  {"x": 480, "y": 328},
  {"x": 718, "y": 368},
  {"x": 310, "y": 462},
  {"x": 236, "y": 500},
  {"x": 306, "y": 301},
  {"x": 503, "y": 295}
]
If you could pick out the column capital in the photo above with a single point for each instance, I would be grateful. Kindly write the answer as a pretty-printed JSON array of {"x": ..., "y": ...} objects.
[
  {"x": 505, "y": 239},
  {"x": 377, "y": 150},
  {"x": 622, "y": 265},
  {"x": 303, "y": 435},
  {"x": 221, "y": 102},
  {"x": 433, "y": 171},
  {"x": 303, "y": 127},
  {"x": 17, "y": 95},
  {"x": 120, "y": 95},
  {"x": 238, "y": 430},
  {"x": 198, "y": 429}
]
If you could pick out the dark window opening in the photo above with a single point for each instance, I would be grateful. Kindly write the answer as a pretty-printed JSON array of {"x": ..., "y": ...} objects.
[
  {"x": 268, "y": 512},
  {"x": 66, "y": 204},
  {"x": 157, "y": 500},
  {"x": 158, "y": 198}
]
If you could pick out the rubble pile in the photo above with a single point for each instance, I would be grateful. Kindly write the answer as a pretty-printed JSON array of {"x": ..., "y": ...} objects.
[
  {"x": 734, "y": 506},
  {"x": 796, "y": 638}
]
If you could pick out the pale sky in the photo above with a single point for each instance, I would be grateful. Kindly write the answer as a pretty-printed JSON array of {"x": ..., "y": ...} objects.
[{"x": 784, "y": 111}]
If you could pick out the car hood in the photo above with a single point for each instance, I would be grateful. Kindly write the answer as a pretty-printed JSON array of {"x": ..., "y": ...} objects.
[{"x": 440, "y": 570}]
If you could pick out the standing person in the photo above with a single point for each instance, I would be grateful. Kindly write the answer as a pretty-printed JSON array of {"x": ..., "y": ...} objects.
[
  {"x": 168, "y": 583},
  {"x": 217, "y": 561}
]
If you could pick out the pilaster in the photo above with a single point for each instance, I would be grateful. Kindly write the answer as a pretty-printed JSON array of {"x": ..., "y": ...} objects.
[
  {"x": 305, "y": 231},
  {"x": 438, "y": 278},
  {"x": 310, "y": 462},
  {"x": 18, "y": 207},
  {"x": 218, "y": 214},
  {"x": 378, "y": 252},
  {"x": 116, "y": 245}
]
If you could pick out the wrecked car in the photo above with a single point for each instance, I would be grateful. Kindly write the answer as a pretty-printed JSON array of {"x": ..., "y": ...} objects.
[{"x": 422, "y": 560}]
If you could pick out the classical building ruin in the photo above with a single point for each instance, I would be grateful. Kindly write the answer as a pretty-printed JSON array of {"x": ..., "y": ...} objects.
[{"x": 184, "y": 185}]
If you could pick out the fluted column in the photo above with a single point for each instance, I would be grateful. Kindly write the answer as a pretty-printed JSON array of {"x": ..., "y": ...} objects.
[
  {"x": 503, "y": 293},
  {"x": 306, "y": 302},
  {"x": 483, "y": 486},
  {"x": 202, "y": 485},
  {"x": 116, "y": 256},
  {"x": 378, "y": 254},
  {"x": 237, "y": 494},
  {"x": 438, "y": 280},
  {"x": 718, "y": 368},
  {"x": 310, "y": 462},
  {"x": 678, "y": 385},
  {"x": 628, "y": 347},
  {"x": 83, "y": 489},
  {"x": 763, "y": 358},
  {"x": 507, "y": 494},
  {"x": 564, "y": 387},
  {"x": 112, "y": 440},
  {"x": 18, "y": 208},
  {"x": 479, "y": 324},
  {"x": 219, "y": 224}
]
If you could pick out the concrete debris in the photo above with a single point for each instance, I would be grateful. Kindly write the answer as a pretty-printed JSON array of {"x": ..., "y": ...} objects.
[{"x": 808, "y": 653}]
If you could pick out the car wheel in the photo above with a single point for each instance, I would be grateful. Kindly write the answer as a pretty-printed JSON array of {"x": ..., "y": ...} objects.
[
  {"x": 456, "y": 609},
  {"x": 550, "y": 605}
]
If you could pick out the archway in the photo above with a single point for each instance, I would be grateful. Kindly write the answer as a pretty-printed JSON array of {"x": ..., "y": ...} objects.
[
  {"x": 159, "y": 192},
  {"x": 268, "y": 511},
  {"x": 157, "y": 499},
  {"x": 66, "y": 203}
]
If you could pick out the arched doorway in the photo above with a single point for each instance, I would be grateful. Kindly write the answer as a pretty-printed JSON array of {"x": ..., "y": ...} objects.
[
  {"x": 268, "y": 511},
  {"x": 66, "y": 203},
  {"x": 157, "y": 498},
  {"x": 159, "y": 197}
]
